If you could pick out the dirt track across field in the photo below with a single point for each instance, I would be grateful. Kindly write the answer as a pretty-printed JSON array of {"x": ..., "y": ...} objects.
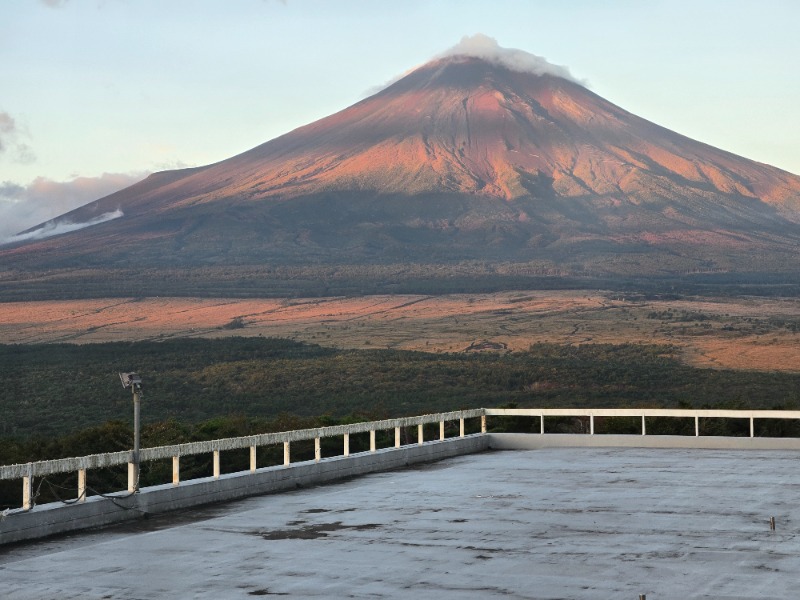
[{"x": 749, "y": 333}]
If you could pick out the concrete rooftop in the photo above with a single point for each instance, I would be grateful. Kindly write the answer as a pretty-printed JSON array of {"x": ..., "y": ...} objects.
[{"x": 551, "y": 523}]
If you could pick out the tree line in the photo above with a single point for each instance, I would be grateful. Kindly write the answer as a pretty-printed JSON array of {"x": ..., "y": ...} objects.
[
  {"x": 57, "y": 389},
  {"x": 62, "y": 400}
]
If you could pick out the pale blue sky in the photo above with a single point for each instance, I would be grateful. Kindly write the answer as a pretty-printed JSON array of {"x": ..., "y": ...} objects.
[{"x": 89, "y": 87}]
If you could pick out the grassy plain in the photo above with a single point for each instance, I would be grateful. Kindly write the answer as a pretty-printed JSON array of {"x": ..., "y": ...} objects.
[{"x": 748, "y": 333}]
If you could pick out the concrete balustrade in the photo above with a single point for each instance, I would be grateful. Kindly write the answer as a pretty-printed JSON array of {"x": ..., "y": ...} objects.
[
  {"x": 222, "y": 486},
  {"x": 27, "y": 472}
]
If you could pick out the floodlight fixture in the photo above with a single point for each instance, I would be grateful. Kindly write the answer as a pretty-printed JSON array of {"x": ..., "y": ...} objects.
[
  {"x": 130, "y": 379},
  {"x": 134, "y": 382}
]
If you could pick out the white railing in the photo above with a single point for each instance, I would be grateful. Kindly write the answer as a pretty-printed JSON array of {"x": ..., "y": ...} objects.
[
  {"x": 643, "y": 413},
  {"x": 27, "y": 472}
]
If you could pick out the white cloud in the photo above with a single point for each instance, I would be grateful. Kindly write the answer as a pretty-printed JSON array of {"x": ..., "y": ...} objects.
[
  {"x": 486, "y": 48},
  {"x": 23, "y": 207},
  {"x": 172, "y": 165},
  {"x": 11, "y": 143},
  {"x": 58, "y": 227}
]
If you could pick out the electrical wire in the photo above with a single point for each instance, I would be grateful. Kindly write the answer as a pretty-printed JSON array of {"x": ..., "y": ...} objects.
[{"x": 114, "y": 499}]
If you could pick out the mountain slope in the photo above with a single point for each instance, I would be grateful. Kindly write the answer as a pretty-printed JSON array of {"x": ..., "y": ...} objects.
[{"x": 462, "y": 159}]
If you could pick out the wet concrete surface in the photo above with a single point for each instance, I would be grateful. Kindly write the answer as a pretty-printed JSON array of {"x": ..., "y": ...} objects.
[{"x": 545, "y": 524}]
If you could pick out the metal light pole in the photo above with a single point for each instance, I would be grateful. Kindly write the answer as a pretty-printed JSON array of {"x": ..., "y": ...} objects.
[{"x": 134, "y": 381}]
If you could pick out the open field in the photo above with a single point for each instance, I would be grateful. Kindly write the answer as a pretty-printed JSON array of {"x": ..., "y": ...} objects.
[{"x": 742, "y": 333}]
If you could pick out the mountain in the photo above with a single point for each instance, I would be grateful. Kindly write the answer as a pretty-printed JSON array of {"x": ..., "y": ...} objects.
[{"x": 466, "y": 160}]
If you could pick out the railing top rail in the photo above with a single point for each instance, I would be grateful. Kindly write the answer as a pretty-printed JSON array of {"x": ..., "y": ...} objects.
[
  {"x": 298, "y": 435},
  {"x": 94, "y": 461},
  {"x": 647, "y": 412},
  {"x": 65, "y": 465}
]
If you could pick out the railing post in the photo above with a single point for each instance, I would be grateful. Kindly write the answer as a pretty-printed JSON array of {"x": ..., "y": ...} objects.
[
  {"x": 176, "y": 470},
  {"x": 27, "y": 491},
  {"x": 253, "y": 462},
  {"x": 644, "y": 428},
  {"x": 483, "y": 423},
  {"x": 287, "y": 458},
  {"x": 133, "y": 474},
  {"x": 372, "y": 440},
  {"x": 420, "y": 436},
  {"x": 696, "y": 426},
  {"x": 317, "y": 450},
  {"x": 396, "y": 437},
  {"x": 541, "y": 423},
  {"x": 441, "y": 430},
  {"x": 216, "y": 464},
  {"x": 461, "y": 427},
  {"x": 347, "y": 444},
  {"x": 591, "y": 424},
  {"x": 81, "y": 485},
  {"x": 752, "y": 427}
]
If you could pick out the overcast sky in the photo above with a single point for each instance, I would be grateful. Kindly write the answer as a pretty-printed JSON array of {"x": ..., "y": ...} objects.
[{"x": 95, "y": 94}]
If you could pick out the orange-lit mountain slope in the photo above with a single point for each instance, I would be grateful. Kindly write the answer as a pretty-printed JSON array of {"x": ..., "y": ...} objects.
[{"x": 462, "y": 159}]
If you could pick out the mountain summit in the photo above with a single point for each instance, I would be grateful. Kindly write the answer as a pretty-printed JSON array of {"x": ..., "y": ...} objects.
[{"x": 479, "y": 155}]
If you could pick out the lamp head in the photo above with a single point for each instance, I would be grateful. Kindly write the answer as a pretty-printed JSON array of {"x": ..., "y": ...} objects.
[{"x": 130, "y": 379}]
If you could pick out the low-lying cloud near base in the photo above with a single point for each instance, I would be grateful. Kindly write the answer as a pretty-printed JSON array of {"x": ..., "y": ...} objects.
[
  {"x": 40, "y": 202},
  {"x": 57, "y": 227}
]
